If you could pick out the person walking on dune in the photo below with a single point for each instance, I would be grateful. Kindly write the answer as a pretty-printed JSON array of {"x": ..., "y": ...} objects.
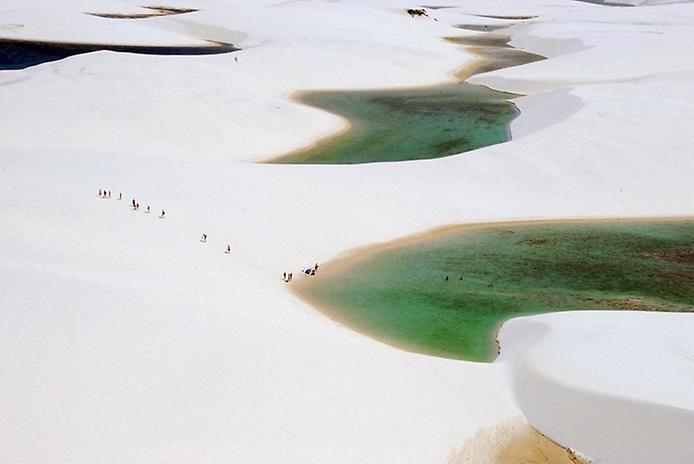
[
  {"x": 147, "y": 211},
  {"x": 163, "y": 213},
  {"x": 203, "y": 238},
  {"x": 228, "y": 250}
]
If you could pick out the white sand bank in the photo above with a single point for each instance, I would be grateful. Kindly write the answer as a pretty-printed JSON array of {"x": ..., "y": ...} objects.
[{"x": 609, "y": 384}]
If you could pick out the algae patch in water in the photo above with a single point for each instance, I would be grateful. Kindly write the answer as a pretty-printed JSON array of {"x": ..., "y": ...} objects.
[
  {"x": 400, "y": 294},
  {"x": 409, "y": 124}
]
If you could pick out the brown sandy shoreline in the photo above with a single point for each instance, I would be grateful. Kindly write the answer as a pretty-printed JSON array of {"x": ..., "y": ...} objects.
[{"x": 513, "y": 442}]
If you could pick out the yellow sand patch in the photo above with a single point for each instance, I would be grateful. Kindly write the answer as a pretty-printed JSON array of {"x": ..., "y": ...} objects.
[{"x": 514, "y": 442}]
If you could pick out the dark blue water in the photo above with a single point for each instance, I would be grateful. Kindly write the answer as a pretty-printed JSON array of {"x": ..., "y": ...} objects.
[{"x": 20, "y": 54}]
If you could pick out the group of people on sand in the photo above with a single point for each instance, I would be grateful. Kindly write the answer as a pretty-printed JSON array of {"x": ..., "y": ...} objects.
[
  {"x": 135, "y": 206},
  {"x": 227, "y": 251},
  {"x": 103, "y": 193},
  {"x": 310, "y": 271}
]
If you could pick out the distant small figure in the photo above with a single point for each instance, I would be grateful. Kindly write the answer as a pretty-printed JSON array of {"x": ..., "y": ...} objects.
[
  {"x": 236, "y": 58},
  {"x": 289, "y": 278},
  {"x": 133, "y": 203},
  {"x": 315, "y": 267},
  {"x": 148, "y": 210},
  {"x": 284, "y": 277},
  {"x": 163, "y": 213},
  {"x": 228, "y": 250},
  {"x": 203, "y": 238},
  {"x": 120, "y": 196},
  {"x": 109, "y": 194},
  {"x": 137, "y": 206},
  {"x": 417, "y": 12},
  {"x": 313, "y": 272},
  {"x": 461, "y": 277},
  {"x": 446, "y": 278},
  {"x": 100, "y": 192},
  {"x": 308, "y": 271}
]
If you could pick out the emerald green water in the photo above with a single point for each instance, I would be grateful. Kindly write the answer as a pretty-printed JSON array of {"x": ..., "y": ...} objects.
[
  {"x": 397, "y": 125},
  {"x": 400, "y": 295},
  {"x": 419, "y": 123}
]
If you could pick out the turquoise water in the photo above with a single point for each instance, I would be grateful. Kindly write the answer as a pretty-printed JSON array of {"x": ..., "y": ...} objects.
[
  {"x": 398, "y": 125},
  {"x": 401, "y": 296},
  {"x": 419, "y": 123}
]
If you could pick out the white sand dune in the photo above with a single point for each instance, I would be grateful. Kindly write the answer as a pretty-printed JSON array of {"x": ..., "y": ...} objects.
[
  {"x": 617, "y": 402},
  {"x": 123, "y": 338}
]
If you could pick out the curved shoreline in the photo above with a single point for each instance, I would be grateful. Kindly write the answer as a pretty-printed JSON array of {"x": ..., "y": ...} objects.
[
  {"x": 35, "y": 52},
  {"x": 482, "y": 62},
  {"x": 343, "y": 126},
  {"x": 352, "y": 259}
]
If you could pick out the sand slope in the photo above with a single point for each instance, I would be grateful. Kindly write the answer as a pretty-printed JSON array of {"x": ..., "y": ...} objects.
[{"x": 607, "y": 383}]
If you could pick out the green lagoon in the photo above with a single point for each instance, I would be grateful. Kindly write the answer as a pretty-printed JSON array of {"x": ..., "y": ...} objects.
[
  {"x": 421, "y": 122},
  {"x": 447, "y": 294},
  {"x": 409, "y": 124}
]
